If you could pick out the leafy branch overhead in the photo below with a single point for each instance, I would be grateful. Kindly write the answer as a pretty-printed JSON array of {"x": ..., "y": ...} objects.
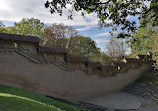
[{"x": 115, "y": 11}]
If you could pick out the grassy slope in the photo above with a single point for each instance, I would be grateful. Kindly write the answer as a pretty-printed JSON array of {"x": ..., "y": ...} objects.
[
  {"x": 151, "y": 78},
  {"x": 14, "y": 99}
]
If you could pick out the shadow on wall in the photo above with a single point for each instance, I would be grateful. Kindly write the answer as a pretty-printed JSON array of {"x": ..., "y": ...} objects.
[{"x": 24, "y": 81}]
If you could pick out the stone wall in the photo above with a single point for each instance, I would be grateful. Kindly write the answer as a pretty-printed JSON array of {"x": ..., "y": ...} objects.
[{"x": 23, "y": 69}]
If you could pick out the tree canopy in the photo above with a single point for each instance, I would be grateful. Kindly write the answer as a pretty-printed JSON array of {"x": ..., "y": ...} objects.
[
  {"x": 57, "y": 34},
  {"x": 4, "y": 29},
  {"x": 30, "y": 26},
  {"x": 83, "y": 46},
  {"x": 116, "y": 48},
  {"x": 116, "y": 11},
  {"x": 155, "y": 48},
  {"x": 1, "y": 24},
  {"x": 142, "y": 40}
]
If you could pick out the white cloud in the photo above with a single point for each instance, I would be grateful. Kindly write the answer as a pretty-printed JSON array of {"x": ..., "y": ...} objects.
[
  {"x": 102, "y": 34},
  {"x": 101, "y": 40},
  {"x": 15, "y": 10},
  {"x": 86, "y": 28},
  {"x": 4, "y": 6},
  {"x": 105, "y": 34}
]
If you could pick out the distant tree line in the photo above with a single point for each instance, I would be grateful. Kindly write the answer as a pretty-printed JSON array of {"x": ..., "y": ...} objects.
[{"x": 59, "y": 35}]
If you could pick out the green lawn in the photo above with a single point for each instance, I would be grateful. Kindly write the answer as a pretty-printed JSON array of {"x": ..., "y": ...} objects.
[{"x": 14, "y": 99}]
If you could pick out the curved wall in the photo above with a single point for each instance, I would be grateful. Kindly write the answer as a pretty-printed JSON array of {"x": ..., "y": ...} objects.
[
  {"x": 45, "y": 70},
  {"x": 72, "y": 85}
]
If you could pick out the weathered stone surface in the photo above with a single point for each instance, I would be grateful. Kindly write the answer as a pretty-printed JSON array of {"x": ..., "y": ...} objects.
[{"x": 50, "y": 75}]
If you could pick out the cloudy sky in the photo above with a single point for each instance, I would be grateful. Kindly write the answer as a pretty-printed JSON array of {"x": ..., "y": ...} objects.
[{"x": 14, "y": 10}]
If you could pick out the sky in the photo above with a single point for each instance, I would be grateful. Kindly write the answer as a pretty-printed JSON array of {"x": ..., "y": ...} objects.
[{"x": 14, "y": 10}]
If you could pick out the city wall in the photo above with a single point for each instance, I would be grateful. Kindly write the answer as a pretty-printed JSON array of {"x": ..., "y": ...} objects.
[{"x": 49, "y": 71}]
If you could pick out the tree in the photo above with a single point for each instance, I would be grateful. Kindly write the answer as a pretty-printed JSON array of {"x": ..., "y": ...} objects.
[
  {"x": 142, "y": 40},
  {"x": 1, "y": 24},
  {"x": 60, "y": 35},
  {"x": 57, "y": 34},
  {"x": 116, "y": 48},
  {"x": 33, "y": 27},
  {"x": 84, "y": 46},
  {"x": 105, "y": 59},
  {"x": 155, "y": 48},
  {"x": 4, "y": 29},
  {"x": 117, "y": 11}
]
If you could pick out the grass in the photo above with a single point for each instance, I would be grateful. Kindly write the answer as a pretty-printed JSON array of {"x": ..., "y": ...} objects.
[
  {"x": 144, "y": 80},
  {"x": 14, "y": 99},
  {"x": 19, "y": 104},
  {"x": 150, "y": 79}
]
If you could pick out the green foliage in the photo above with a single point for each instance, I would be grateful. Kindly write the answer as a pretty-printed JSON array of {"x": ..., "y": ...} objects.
[
  {"x": 33, "y": 27},
  {"x": 2, "y": 27},
  {"x": 1, "y": 24},
  {"x": 22, "y": 100},
  {"x": 105, "y": 59},
  {"x": 155, "y": 49},
  {"x": 60, "y": 35},
  {"x": 17, "y": 103},
  {"x": 142, "y": 40},
  {"x": 3, "y": 30},
  {"x": 144, "y": 79},
  {"x": 84, "y": 46},
  {"x": 151, "y": 78},
  {"x": 115, "y": 10},
  {"x": 6, "y": 29}
]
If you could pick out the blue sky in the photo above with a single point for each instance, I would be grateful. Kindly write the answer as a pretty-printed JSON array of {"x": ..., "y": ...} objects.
[{"x": 14, "y": 10}]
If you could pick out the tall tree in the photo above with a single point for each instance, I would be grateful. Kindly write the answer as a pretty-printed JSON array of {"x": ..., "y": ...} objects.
[
  {"x": 142, "y": 40},
  {"x": 57, "y": 34},
  {"x": 1, "y": 24},
  {"x": 155, "y": 48},
  {"x": 106, "y": 59},
  {"x": 117, "y": 11},
  {"x": 30, "y": 26},
  {"x": 4, "y": 29},
  {"x": 84, "y": 46},
  {"x": 60, "y": 35},
  {"x": 116, "y": 48}
]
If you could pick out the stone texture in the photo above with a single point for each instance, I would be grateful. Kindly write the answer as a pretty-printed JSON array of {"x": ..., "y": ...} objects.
[{"x": 72, "y": 85}]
